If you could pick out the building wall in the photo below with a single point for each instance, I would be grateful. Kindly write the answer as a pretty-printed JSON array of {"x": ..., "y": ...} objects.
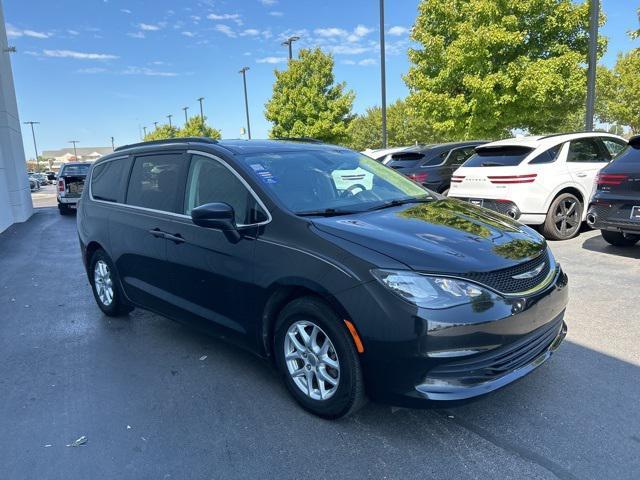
[{"x": 15, "y": 196}]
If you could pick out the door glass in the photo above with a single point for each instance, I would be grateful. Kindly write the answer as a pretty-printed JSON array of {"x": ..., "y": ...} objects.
[
  {"x": 584, "y": 150},
  {"x": 154, "y": 182},
  {"x": 614, "y": 147},
  {"x": 210, "y": 181},
  {"x": 548, "y": 156},
  {"x": 459, "y": 156},
  {"x": 106, "y": 180}
]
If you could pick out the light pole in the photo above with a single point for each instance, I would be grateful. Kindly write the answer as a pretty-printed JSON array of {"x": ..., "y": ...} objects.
[
  {"x": 144, "y": 130},
  {"x": 201, "y": 116},
  {"x": 383, "y": 81},
  {"x": 169, "y": 117},
  {"x": 75, "y": 152},
  {"x": 113, "y": 145},
  {"x": 593, "y": 59},
  {"x": 155, "y": 125},
  {"x": 288, "y": 42},
  {"x": 243, "y": 71},
  {"x": 186, "y": 118},
  {"x": 35, "y": 147}
]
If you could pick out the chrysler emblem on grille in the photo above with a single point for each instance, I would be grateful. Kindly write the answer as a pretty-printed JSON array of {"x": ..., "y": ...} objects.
[{"x": 531, "y": 273}]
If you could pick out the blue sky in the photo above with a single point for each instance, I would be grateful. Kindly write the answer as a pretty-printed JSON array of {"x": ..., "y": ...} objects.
[{"x": 90, "y": 69}]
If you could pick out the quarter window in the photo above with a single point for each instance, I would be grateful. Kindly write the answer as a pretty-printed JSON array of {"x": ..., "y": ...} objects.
[
  {"x": 584, "y": 150},
  {"x": 106, "y": 180},
  {"x": 210, "y": 181},
  {"x": 614, "y": 147},
  {"x": 154, "y": 182},
  {"x": 548, "y": 156}
]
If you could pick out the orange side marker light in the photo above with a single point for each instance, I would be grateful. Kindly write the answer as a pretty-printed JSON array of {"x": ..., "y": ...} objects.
[{"x": 354, "y": 334}]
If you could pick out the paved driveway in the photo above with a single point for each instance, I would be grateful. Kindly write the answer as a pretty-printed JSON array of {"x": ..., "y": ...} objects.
[{"x": 150, "y": 408}]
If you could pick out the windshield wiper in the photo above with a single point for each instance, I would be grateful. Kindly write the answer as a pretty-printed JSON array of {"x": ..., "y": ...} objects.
[
  {"x": 327, "y": 212},
  {"x": 398, "y": 202}
]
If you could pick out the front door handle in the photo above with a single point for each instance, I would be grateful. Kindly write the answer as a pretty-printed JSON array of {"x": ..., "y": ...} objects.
[
  {"x": 582, "y": 175},
  {"x": 177, "y": 238},
  {"x": 156, "y": 232}
]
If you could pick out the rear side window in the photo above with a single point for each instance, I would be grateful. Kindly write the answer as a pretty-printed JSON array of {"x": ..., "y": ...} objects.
[
  {"x": 155, "y": 182},
  {"x": 508, "y": 156},
  {"x": 210, "y": 181},
  {"x": 460, "y": 155},
  {"x": 107, "y": 179},
  {"x": 548, "y": 156},
  {"x": 614, "y": 147},
  {"x": 585, "y": 150}
]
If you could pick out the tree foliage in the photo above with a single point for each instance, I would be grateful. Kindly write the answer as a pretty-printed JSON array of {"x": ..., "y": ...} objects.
[
  {"x": 307, "y": 102},
  {"x": 485, "y": 67},
  {"x": 365, "y": 131},
  {"x": 193, "y": 128},
  {"x": 622, "y": 97}
]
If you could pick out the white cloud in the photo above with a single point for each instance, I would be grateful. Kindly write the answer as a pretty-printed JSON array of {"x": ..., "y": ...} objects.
[
  {"x": 188, "y": 34},
  {"x": 397, "y": 31},
  {"x": 73, "y": 32},
  {"x": 125, "y": 10},
  {"x": 250, "y": 32},
  {"x": 276, "y": 14},
  {"x": 78, "y": 55},
  {"x": 148, "y": 72},
  {"x": 226, "y": 16},
  {"x": 331, "y": 32},
  {"x": 361, "y": 31},
  {"x": 272, "y": 60},
  {"x": 348, "y": 62},
  {"x": 92, "y": 70},
  {"x": 268, "y": 3},
  {"x": 149, "y": 27},
  {"x": 347, "y": 49},
  {"x": 136, "y": 35},
  {"x": 367, "y": 62},
  {"x": 13, "y": 32},
  {"x": 226, "y": 29}
]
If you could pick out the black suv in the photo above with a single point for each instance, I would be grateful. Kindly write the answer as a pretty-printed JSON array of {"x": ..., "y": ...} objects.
[
  {"x": 432, "y": 165},
  {"x": 352, "y": 278},
  {"x": 615, "y": 206}
]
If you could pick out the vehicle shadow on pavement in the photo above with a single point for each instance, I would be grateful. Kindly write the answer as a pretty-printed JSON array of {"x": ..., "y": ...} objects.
[{"x": 598, "y": 244}]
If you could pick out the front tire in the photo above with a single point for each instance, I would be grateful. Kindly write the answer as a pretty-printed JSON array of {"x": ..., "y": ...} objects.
[
  {"x": 318, "y": 360},
  {"x": 106, "y": 285},
  {"x": 563, "y": 218},
  {"x": 619, "y": 239}
]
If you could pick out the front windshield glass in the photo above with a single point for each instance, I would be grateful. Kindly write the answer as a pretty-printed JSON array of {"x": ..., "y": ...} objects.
[{"x": 332, "y": 181}]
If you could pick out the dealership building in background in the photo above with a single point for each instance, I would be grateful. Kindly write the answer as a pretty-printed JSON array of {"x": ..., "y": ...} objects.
[
  {"x": 56, "y": 158},
  {"x": 15, "y": 196}
]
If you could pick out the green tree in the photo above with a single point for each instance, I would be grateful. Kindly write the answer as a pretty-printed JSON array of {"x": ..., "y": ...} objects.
[
  {"x": 307, "y": 102},
  {"x": 162, "y": 132},
  {"x": 195, "y": 128},
  {"x": 485, "y": 67},
  {"x": 623, "y": 103},
  {"x": 403, "y": 128}
]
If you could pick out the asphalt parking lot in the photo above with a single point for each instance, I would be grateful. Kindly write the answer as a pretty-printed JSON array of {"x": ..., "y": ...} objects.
[{"x": 157, "y": 400}]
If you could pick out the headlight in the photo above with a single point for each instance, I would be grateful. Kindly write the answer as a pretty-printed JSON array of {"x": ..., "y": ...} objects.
[{"x": 431, "y": 291}]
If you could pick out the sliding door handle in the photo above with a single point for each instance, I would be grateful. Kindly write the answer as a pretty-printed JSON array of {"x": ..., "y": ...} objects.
[
  {"x": 156, "y": 232},
  {"x": 177, "y": 238}
]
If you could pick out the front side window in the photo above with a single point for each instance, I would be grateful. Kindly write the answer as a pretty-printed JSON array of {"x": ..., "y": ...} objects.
[
  {"x": 310, "y": 181},
  {"x": 584, "y": 150},
  {"x": 106, "y": 180},
  {"x": 154, "y": 182},
  {"x": 210, "y": 181}
]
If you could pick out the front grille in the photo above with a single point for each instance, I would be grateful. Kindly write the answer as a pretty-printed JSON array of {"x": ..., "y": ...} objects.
[
  {"x": 504, "y": 359},
  {"x": 503, "y": 281}
]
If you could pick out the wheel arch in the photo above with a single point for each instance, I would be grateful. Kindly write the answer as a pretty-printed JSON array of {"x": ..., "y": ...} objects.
[
  {"x": 282, "y": 293},
  {"x": 572, "y": 189}
]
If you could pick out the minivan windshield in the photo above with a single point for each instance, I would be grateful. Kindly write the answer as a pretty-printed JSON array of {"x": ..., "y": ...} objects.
[
  {"x": 507, "y": 156},
  {"x": 332, "y": 182}
]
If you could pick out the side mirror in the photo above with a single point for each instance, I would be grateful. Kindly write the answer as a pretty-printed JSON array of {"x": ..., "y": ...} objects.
[{"x": 214, "y": 215}]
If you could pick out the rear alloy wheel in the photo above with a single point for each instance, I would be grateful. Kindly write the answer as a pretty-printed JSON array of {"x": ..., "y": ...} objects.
[
  {"x": 318, "y": 360},
  {"x": 619, "y": 239},
  {"x": 105, "y": 285},
  {"x": 563, "y": 218}
]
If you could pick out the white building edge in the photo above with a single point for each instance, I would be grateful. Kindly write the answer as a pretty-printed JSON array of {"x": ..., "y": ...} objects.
[{"x": 15, "y": 196}]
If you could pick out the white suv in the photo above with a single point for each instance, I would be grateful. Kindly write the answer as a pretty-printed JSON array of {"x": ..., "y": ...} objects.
[{"x": 543, "y": 181}]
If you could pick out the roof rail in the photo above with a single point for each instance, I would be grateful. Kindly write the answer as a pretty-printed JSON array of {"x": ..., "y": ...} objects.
[
  {"x": 567, "y": 133},
  {"x": 299, "y": 139},
  {"x": 165, "y": 141}
]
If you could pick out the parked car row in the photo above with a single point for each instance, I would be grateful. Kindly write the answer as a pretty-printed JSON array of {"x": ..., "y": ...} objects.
[{"x": 37, "y": 180}]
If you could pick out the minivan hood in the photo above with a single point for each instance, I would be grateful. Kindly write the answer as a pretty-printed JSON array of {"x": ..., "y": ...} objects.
[{"x": 446, "y": 236}]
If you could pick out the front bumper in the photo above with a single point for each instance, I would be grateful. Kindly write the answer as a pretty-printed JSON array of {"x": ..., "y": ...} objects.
[{"x": 415, "y": 356}]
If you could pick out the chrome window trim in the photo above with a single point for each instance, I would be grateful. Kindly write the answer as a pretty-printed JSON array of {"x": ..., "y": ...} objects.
[{"x": 181, "y": 215}]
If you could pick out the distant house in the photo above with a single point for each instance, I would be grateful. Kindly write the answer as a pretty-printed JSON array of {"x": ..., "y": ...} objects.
[{"x": 85, "y": 154}]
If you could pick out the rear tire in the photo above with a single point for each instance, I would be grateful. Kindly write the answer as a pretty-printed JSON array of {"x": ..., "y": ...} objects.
[
  {"x": 445, "y": 192},
  {"x": 106, "y": 285},
  {"x": 329, "y": 400},
  {"x": 619, "y": 239},
  {"x": 563, "y": 218},
  {"x": 64, "y": 210}
]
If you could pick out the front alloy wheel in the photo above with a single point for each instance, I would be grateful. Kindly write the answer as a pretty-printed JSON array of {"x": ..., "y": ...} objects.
[
  {"x": 103, "y": 282},
  {"x": 312, "y": 360}
]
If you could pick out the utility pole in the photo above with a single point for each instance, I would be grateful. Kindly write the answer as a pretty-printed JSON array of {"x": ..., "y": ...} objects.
[
  {"x": 35, "y": 147},
  {"x": 201, "y": 116},
  {"x": 75, "y": 152},
  {"x": 243, "y": 71},
  {"x": 593, "y": 59},
  {"x": 186, "y": 118},
  {"x": 383, "y": 80},
  {"x": 113, "y": 145},
  {"x": 288, "y": 42}
]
